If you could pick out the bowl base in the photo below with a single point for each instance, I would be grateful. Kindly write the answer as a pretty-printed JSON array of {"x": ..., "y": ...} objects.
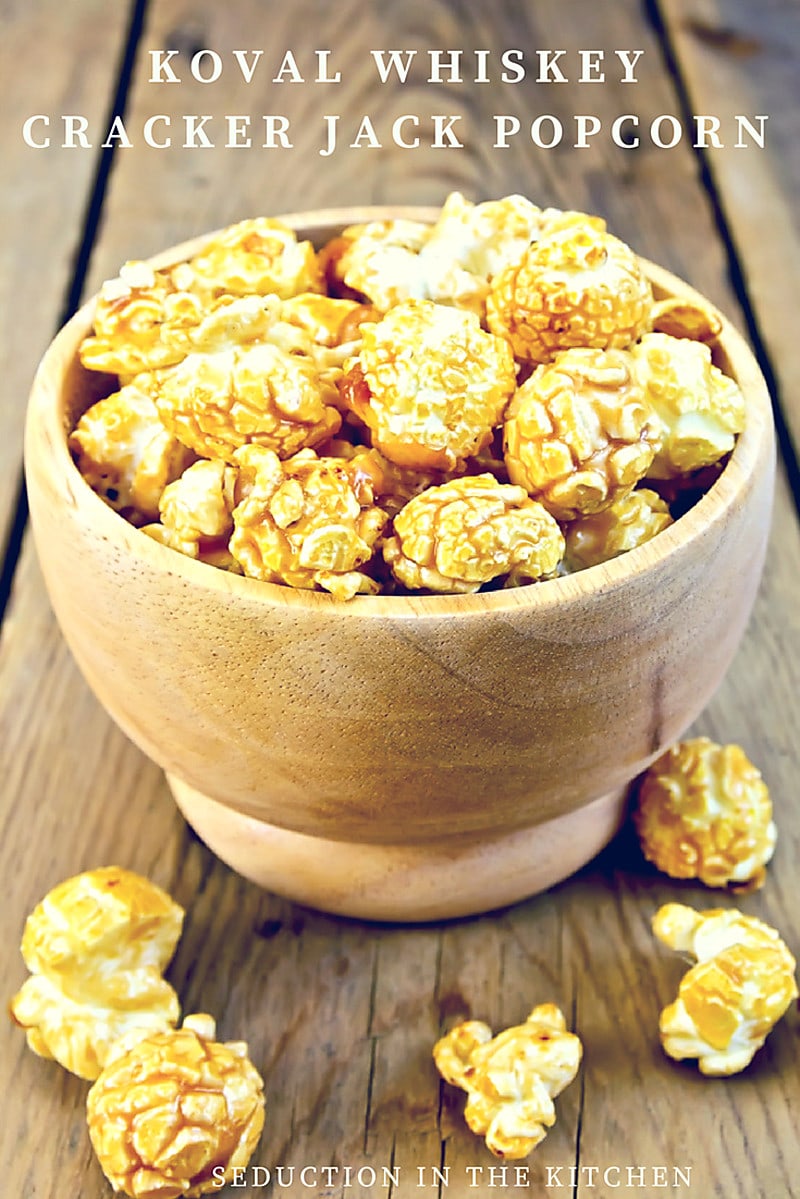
[{"x": 399, "y": 883}]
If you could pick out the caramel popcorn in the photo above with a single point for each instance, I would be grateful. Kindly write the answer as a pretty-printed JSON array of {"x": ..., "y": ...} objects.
[
  {"x": 430, "y": 384},
  {"x": 197, "y": 513},
  {"x": 511, "y": 1079},
  {"x": 97, "y": 946},
  {"x": 731, "y": 999},
  {"x": 260, "y": 394},
  {"x": 177, "y": 1114},
  {"x": 454, "y": 537},
  {"x": 631, "y": 520},
  {"x": 375, "y": 354},
  {"x": 302, "y": 523},
  {"x": 579, "y": 434},
  {"x": 577, "y": 285},
  {"x": 256, "y": 257},
  {"x": 704, "y": 812},
  {"x": 126, "y": 455},
  {"x": 699, "y": 409}
]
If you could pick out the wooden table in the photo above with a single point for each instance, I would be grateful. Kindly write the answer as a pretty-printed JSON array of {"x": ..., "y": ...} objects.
[{"x": 340, "y": 1016}]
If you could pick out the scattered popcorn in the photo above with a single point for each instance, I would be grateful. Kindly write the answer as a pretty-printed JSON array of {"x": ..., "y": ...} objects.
[
  {"x": 699, "y": 409},
  {"x": 511, "y": 1079},
  {"x": 177, "y": 1114},
  {"x": 126, "y": 455},
  {"x": 631, "y": 520},
  {"x": 503, "y": 339},
  {"x": 302, "y": 523},
  {"x": 578, "y": 433},
  {"x": 576, "y": 286},
  {"x": 430, "y": 384},
  {"x": 703, "y": 811},
  {"x": 97, "y": 946},
  {"x": 469, "y": 531},
  {"x": 259, "y": 394},
  {"x": 731, "y": 999}
]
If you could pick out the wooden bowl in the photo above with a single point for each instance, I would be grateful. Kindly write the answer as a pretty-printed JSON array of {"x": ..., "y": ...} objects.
[{"x": 398, "y": 758}]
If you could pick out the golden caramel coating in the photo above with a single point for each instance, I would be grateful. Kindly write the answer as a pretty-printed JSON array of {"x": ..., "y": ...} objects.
[
  {"x": 259, "y": 394},
  {"x": 177, "y": 1114},
  {"x": 197, "y": 513},
  {"x": 261, "y": 257},
  {"x": 96, "y": 947},
  {"x": 376, "y": 480},
  {"x": 704, "y": 812},
  {"x": 630, "y": 521},
  {"x": 576, "y": 286},
  {"x": 511, "y": 1079},
  {"x": 457, "y": 536},
  {"x": 680, "y": 317},
  {"x": 699, "y": 409},
  {"x": 126, "y": 455},
  {"x": 380, "y": 261},
  {"x": 728, "y": 1003},
  {"x": 579, "y": 434},
  {"x": 302, "y": 523},
  {"x": 430, "y": 384},
  {"x": 327, "y": 320}
]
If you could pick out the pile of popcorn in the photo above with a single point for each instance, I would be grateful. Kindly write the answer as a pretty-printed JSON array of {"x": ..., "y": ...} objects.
[{"x": 487, "y": 401}]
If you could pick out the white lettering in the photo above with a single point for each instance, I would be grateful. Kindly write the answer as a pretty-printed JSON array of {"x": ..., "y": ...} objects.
[
  {"x": 397, "y": 132},
  {"x": 366, "y": 133},
  {"x": 245, "y": 67},
  {"x": 438, "y": 66},
  {"x": 549, "y": 70},
  {"x": 195, "y": 66},
  {"x": 276, "y": 133},
  {"x": 75, "y": 133},
  {"x": 395, "y": 63},
  {"x": 195, "y": 133},
  {"x": 591, "y": 66},
  {"x": 640, "y": 1180},
  {"x": 160, "y": 70},
  {"x": 626, "y": 140},
  {"x": 289, "y": 68},
  {"x": 322, "y": 68},
  {"x": 610, "y": 1173},
  {"x": 238, "y": 133},
  {"x": 756, "y": 134},
  {"x": 660, "y": 1176},
  {"x": 656, "y": 127},
  {"x": 443, "y": 129},
  {"x": 149, "y": 136},
  {"x": 629, "y": 59},
  {"x": 553, "y": 1178},
  {"x": 707, "y": 134},
  {"x": 505, "y": 127},
  {"x": 480, "y": 67},
  {"x": 588, "y": 126},
  {"x": 512, "y": 61},
  {"x": 27, "y": 132},
  {"x": 537, "y": 136}
]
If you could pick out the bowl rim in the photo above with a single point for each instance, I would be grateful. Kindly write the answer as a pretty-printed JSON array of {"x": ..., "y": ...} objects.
[{"x": 543, "y": 595}]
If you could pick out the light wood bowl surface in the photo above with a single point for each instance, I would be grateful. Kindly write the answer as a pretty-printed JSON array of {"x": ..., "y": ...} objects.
[{"x": 398, "y": 757}]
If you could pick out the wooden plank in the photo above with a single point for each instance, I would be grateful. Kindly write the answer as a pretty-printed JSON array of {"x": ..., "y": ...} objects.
[
  {"x": 45, "y": 192},
  {"x": 341, "y": 1016},
  {"x": 736, "y": 57}
]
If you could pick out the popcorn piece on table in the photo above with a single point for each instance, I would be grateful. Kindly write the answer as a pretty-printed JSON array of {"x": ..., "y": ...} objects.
[
  {"x": 457, "y": 536},
  {"x": 215, "y": 403},
  {"x": 731, "y": 999},
  {"x": 176, "y": 1114},
  {"x": 197, "y": 513},
  {"x": 630, "y": 521},
  {"x": 511, "y": 1079},
  {"x": 97, "y": 946},
  {"x": 302, "y": 523},
  {"x": 703, "y": 811},
  {"x": 576, "y": 286},
  {"x": 126, "y": 455},
  {"x": 699, "y": 409},
  {"x": 430, "y": 384},
  {"x": 579, "y": 434}
]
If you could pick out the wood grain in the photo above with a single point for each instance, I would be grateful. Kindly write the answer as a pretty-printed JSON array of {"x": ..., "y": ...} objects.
[
  {"x": 49, "y": 188},
  {"x": 341, "y": 1015}
]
